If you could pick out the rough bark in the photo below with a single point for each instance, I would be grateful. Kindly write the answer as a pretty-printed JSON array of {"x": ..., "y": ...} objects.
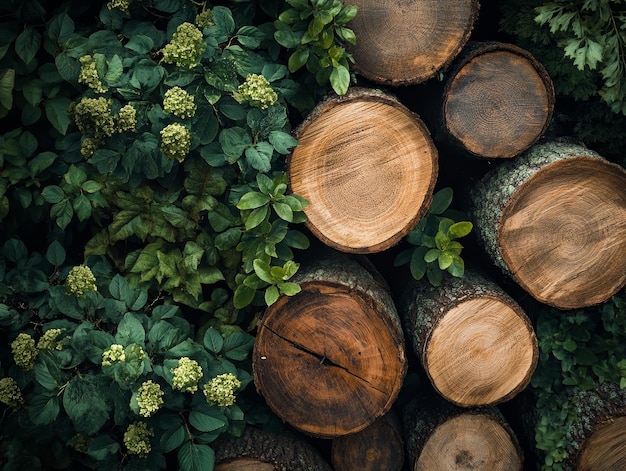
[
  {"x": 367, "y": 166},
  {"x": 379, "y": 447},
  {"x": 554, "y": 220},
  {"x": 403, "y": 42},
  {"x": 442, "y": 436},
  {"x": 330, "y": 360},
  {"x": 497, "y": 101},
  {"x": 260, "y": 450},
  {"x": 474, "y": 341}
]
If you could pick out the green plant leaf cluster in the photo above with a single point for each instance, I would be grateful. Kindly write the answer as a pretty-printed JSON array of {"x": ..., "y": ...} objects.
[
  {"x": 578, "y": 351},
  {"x": 316, "y": 30},
  {"x": 435, "y": 248}
]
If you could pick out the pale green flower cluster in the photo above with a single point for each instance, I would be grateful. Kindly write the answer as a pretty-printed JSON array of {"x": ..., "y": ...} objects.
[
  {"x": 175, "y": 141},
  {"x": 121, "y": 5},
  {"x": 221, "y": 390},
  {"x": 80, "y": 280},
  {"x": 80, "y": 443},
  {"x": 180, "y": 103},
  {"x": 24, "y": 351},
  {"x": 186, "y": 47},
  {"x": 93, "y": 116},
  {"x": 137, "y": 439},
  {"x": 88, "y": 146},
  {"x": 48, "y": 340},
  {"x": 10, "y": 393},
  {"x": 186, "y": 375},
  {"x": 204, "y": 19},
  {"x": 257, "y": 91},
  {"x": 149, "y": 398},
  {"x": 127, "y": 118},
  {"x": 89, "y": 74},
  {"x": 113, "y": 354}
]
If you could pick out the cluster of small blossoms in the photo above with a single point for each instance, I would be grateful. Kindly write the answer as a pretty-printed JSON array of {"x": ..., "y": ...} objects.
[
  {"x": 24, "y": 351},
  {"x": 149, "y": 398},
  {"x": 221, "y": 390},
  {"x": 180, "y": 103},
  {"x": 137, "y": 439},
  {"x": 186, "y": 375},
  {"x": 93, "y": 116},
  {"x": 48, "y": 340},
  {"x": 175, "y": 141},
  {"x": 113, "y": 354},
  {"x": 80, "y": 280},
  {"x": 88, "y": 146},
  {"x": 80, "y": 443},
  {"x": 257, "y": 91},
  {"x": 10, "y": 393},
  {"x": 127, "y": 119},
  {"x": 186, "y": 47},
  {"x": 121, "y": 5},
  {"x": 205, "y": 19},
  {"x": 89, "y": 75}
]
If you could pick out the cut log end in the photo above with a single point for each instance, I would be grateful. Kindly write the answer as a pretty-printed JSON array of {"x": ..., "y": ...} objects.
[
  {"x": 561, "y": 233},
  {"x": 334, "y": 370},
  {"x": 605, "y": 448},
  {"x": 404, "y": 42},
  {"x": 499, "y": 102},
  {"x": 368, "y": 167},
  {"x": 245, "y": 464},
  {"x": 481, "y": 352},
  {"x": 469, "y": 442}
]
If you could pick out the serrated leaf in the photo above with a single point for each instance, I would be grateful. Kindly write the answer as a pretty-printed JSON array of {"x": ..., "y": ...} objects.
[
  {"x": 130, "y": 330},
  {"x": 85, "y": 403},
  {"x": 56, "y": 112},
  {"x": 172, "y": 438},
  {"x": 55, "y": 254},
  {"x": 206, "y": 422},
  {"x": 237, "y": 346},
  {"x": 213, "y": 340},
  {"x": 115, "y": 69},
  {"x": 282, "y": 141},
  {"x": 27, "y": 44},
  {"x": 192, "y": 457},
  {"x": 7, "y": 82}
]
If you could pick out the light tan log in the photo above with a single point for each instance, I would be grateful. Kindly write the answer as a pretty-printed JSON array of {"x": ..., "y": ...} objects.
[
  {"x": 497, "y": 100},
  {"x": 554, "y": 219},
  {"x": 367, "y": 166},
  {"x": 443, "y": 437},
  {"x": 330, "y": 360},
  {"x": 378, "y": 447},
  {"x": 406, "y": 42},
  {"x": 474, "y": 341}
]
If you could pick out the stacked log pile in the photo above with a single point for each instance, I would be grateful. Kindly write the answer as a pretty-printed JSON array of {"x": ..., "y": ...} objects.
[{"x": 550, "y": 216}]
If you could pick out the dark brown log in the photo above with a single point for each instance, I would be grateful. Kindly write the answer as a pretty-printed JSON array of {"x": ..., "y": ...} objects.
[
  {"x": 367, "y": 166},
  {"x": 474, "y": 341},
  {"x": 497, "y": 101},
  {"x": 554, "y": 219},
  {"x": 261, "y": 450},
  {"x": 441, "y": 436},
  {"x": 406, "y": 42},
  {"x": 378, "y": 447},
  {"x": 330, "y": 360}
]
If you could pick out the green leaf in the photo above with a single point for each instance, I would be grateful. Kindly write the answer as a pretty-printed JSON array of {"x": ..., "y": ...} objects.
[
  {"x": 289, "y": 289},
  {"x": 434, "y": 275},
  {"x": 27, "y": 44},
  {"x": 43, "y": 409},
  {"x": 234, "y": 141},
  {"x": 62, "y": 212},
  {"x": 192, "y": 457},
  {"x": 417, "y": 264},
  {"x": 457, "y": 268},
  {"x": 260, "y": 156},
  {"x": 459, "y": 229},
  {"x": 282, "y": 142},
  {"x": 207, "y": 422},
  {"x": 53, "y": 194},
  {"x": 102, "y": 446},
  {"x": 445, "y": 260},
  {"x": 140, "y": 44},
  {"x": 340, "y": 79},
  {"x": 250, "y": 36},
  {"x": 56, "y": 253},
  {"x": 298, "y": 59},
  {"x": 237, "y": 346},
  {"x": 271, "y": 295},
  {"x": 60, "y": 28},
  {"x": 441, "y": 201},
  {"x": 86, "y": 404},
  {"x": 431, "y": 255},
  {"x": 173, "y": 438},
  {"x": 41, "y": 162},
  {"x": 115, "y": 69},
  {"x": 252, "y": 200},
  {"x": 130, "y": 330},
  {"x": 283, "y": 211},
  {"x": 56, "y": 112},
  {"x": 263, "y": 271},
  {"x": 243, "y": 296},
  {"x": 213, "y": 340},
  {"x": 7, "y": 82},
  {"x": 82, "y": 207},
  {"x": 256, "y": 217},
  {"x": 288, "y": 38}
]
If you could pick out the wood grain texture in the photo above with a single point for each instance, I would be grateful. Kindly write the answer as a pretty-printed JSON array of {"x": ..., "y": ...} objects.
[
  {"x": 367, "y": 167},
  {"x": 408, "y": 42}
]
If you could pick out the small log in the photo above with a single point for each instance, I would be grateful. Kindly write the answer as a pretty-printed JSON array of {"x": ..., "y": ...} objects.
[
  {"x": 442, "y": 436},
  {"x": 554, "y": 220},
  {"x": 261, "y": 450},
  {"x": 474, "y": 341},
  {"x": 404, "y": 42},
  {"x": 367, "y": 166},
  {"x": 497, "y": 101},
  {"x": 378, "y": 447},
  {"x": 330, "y": 360}
]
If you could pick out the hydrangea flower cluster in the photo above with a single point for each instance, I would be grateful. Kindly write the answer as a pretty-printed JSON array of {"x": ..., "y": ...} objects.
[
  {"x": 127, "y": 118},
  {"x": 186, "y": 47},
  {"x": 186, "y": 375},
  {"x": 113, "y": 354},
  {"x": 175, "y": 141},
  {"x": 80, "y": 443},
  {"x": 121, "y": 5},
  {"x": 257, "y": 91},
  {"x": 221, "y": 390},
  {"x": 180, "y": 103},
  {"x": 93, "y": 117},
  {"x": 204, "y": 19},
  {"x": 89, "y": 74},
  {"x": 24, "y": 351},
  {"x": 80, "y": 280},
  {"x": 10, "y": 393},
  {"x": 137, "y": 439},
  {"x": 149, "y": 398},
  {"x": 48, "y": 340}
]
